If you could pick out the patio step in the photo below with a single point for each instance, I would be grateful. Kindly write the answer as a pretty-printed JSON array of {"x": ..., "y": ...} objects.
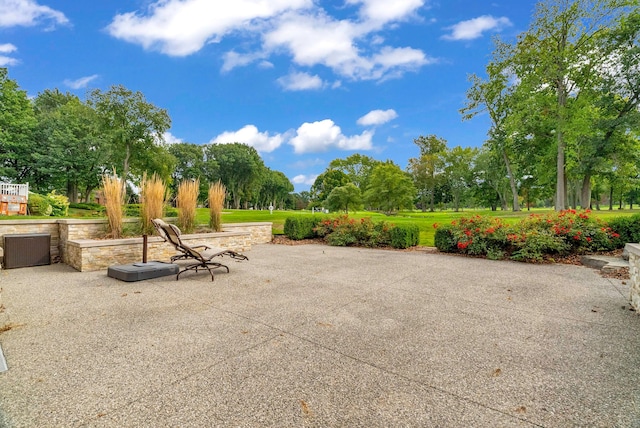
[{"x": 604, "y": 263}]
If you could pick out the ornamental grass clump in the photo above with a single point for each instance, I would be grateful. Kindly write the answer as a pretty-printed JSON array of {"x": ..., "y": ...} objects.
[
  {"x": 217, "y": 194},
  {"x": 187, "y": 201},
  {"x": 152, "y": 197},
  {"x": 114, "y": 201}
]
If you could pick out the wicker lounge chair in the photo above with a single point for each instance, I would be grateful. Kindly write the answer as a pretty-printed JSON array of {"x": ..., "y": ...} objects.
[{"x": 201, "y": 255}]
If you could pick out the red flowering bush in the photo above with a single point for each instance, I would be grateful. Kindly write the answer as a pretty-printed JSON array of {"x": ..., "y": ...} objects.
[
  {"x": 345, "y": 231},
  {"x": 532, "y": 238}
]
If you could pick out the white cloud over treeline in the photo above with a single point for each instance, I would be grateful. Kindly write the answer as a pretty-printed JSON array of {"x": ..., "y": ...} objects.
[{"x": 303, "y": 30}]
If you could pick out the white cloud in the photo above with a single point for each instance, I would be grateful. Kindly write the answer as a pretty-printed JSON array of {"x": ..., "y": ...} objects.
[
  {"x": 473, "y": 28},
  {"x": 234, "y": 59},
  {"x": 304, "y": 179},
  {"x": 250, "y": 135},
  {"x": 183, "y": 27},
  {"x": 169, "y": 138},
  {"x": 80, "y": 83},
  {"x": 321, "y": 40},
  {"x": 300, "y": 82},
  {"x": 7, "y": 48},
  {"x": 386, "y": 10},
  {"x": 298, "y": 28},
  {"x": 324, "y": 135},
  {"x": 6, "y": 60},
  {"x": 28, "y": 13},
  {"x": 377, "y": 117}
]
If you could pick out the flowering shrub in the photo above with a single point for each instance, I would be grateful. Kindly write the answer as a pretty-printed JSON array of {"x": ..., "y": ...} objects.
[
  {"x": 535, "y": 236},
  {"x": 345, "y": 231}
]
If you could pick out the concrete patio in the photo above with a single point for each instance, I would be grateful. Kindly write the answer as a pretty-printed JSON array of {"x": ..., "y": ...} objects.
[{"x": 320, "y": 336}]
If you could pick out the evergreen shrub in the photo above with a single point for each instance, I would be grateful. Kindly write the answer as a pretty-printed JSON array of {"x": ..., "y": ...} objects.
[
  {"x": 405, "y": 235},
  {"x": 627, "y": 227},
  {"x": 298, "y": 228}
]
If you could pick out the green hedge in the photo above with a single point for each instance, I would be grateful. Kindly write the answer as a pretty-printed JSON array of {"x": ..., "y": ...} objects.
[
  {"x": 627, "y": 227},
  {"x": 298, "y": 228},
  {"x": 91, "y": 206},
  {"x": 444, "y": 239},
  {"x": 405, "y": 235}
]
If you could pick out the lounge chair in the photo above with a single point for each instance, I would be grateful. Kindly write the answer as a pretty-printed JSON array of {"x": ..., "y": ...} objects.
[{"x": 201, "y": 255}]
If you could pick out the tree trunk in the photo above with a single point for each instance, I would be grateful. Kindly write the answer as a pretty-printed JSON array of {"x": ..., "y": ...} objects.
[
  {"x": 512, "y": 181},
  {"x": 72, "y": 192},
  {"x": 585, "y": 194},
  {"x": 125, "y": 171},
  {"x": 611, "y": 198},
  {"x": 433, "y": 199}
]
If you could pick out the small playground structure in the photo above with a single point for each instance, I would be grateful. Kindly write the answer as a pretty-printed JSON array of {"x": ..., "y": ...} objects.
[{"x": 13, "y": 199}]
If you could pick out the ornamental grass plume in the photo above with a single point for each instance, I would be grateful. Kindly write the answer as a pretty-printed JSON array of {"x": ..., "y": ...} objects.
[
  {"x": 217, "y": 194},
  {"x": 152, "y": 197},
  {"x": 114, "y": 202},
  {"x": 187, "y": 200}
]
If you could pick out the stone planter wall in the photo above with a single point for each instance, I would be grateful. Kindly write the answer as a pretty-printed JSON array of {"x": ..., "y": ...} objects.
[
  {"x": 73, "y": 241},
  {"x": 634, "y": 273},
  {"x": 91, "y": 254}
]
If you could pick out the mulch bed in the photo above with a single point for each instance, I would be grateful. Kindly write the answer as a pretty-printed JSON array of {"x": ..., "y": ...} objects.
[{"x": 573, "y": 259}]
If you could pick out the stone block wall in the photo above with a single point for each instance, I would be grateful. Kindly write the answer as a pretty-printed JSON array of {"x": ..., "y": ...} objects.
[
  {"x": 634, "y": 272},
  {"x": 88, "y": 254},
  {"x": 73, "y": 241},
  {"x": 261, "y": 233}
]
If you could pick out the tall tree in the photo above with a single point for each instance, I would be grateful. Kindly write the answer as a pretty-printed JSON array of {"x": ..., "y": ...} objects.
[
  {"x": 325, "y": 183},
  {"x": 343, "y": 197},
  {"x": 459, "y": 172},
  {"x": 190, "y": 165},
  {"x": 357, "y": 167},
  {"x": 390, "y": 188},
  {"x": 427, "y": 169},
  {"x": 614, "y": 101},
  {"x": 275, "y": 189},
  {"x": 71, "y": 152},
  {"x": 558, "y": 52},
  {"x": 240, "y": 167},
  {"x": 494, "y": 96},
  {"x": 17, "y": 124},
  {"x": 134, "y": 126}
]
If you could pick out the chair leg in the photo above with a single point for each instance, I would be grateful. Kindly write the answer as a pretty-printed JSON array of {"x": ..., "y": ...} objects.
[{"x": 210, "y": 266}]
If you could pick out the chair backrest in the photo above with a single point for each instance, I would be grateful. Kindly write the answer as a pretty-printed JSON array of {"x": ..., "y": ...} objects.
[{"x": 171, "y": 233}]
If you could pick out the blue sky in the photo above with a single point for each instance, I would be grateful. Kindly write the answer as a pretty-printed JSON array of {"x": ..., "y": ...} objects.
[{"x": 302, "y": 81}]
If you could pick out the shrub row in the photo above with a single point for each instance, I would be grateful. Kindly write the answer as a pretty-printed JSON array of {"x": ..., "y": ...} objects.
[
  {"x": 91, "y": 206},
  {"x": 133, "y": 210},
  {"x": 627, "y": 227},
  {"x": 532, "y": 238},
  {"x": 345, "y": 231}
]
